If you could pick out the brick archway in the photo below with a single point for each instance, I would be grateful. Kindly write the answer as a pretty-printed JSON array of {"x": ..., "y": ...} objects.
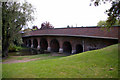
[
  {"x": 54, "y": 44},
  {"x": 43, "y": 44},
  {"x": 26, "y": 42},
  {"x": 67, "y": 47},
  {"x": 35, "y": 43},
  {"x": 29, "y": 43},
  {"x": 79, "y": 48}
]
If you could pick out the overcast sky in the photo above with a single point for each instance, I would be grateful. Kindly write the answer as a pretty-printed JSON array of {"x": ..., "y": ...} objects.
[{"x": 61, "y": 13}]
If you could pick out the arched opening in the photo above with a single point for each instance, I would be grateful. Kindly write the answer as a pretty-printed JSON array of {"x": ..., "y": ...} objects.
[
  {"x": 29, "y": 43},
  {"x": 79, "y": 48},
  {"x": 54, "y": 44},
  {"x": 26, "y": 43},
  {"x": 67, "y": 48},
  {"x": 43, "y": 44},
  {"x": 35, "y": 43}
]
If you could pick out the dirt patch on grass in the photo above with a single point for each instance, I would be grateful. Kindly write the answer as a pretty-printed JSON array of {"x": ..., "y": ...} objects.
[
  {"x": 12, "y": 60},
  {"x": 19, "y": 59}
]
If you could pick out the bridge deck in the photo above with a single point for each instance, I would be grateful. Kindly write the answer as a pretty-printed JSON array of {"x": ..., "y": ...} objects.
[{"x": 94, "y": 32}]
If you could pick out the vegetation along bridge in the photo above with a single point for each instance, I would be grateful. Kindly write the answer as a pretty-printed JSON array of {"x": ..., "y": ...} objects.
[{"x": 71, "y": 40}]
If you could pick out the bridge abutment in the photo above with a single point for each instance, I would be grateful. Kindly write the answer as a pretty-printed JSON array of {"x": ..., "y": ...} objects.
[
  {"x": 31, "y": 42},
  {"x": 60, "y": 50},
  {"x": 38, "y": 40},
  {"x": 48, "y": 48}
]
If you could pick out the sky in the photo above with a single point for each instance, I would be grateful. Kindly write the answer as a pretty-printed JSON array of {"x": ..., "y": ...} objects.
[{"x": 61, "y": 13}]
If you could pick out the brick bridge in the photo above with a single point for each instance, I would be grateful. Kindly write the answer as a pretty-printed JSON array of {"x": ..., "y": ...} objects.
[{"x": 71, "y": 40}]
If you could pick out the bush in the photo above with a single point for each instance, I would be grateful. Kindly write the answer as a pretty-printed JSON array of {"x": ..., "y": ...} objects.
[{"x": 13, "y": 48}]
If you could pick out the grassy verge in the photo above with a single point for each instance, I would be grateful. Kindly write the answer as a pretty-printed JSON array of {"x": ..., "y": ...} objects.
[
  {"x": 41, "y": 56},
  {"x": 0, "y": 48},
  {"x": 0, "y": 69},
  {"x": 102, "y": 63}
]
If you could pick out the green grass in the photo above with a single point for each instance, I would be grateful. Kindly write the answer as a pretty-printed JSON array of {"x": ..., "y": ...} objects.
[
  {"x": 90, "y": 64},
  {"x": 0, "y": 69},
  {"x": 41, "y": 56},
  {"x": 0, "y": 47}
]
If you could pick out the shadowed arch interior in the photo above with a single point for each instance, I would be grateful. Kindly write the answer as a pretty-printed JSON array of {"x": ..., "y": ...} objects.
[
  {"x": 29, "y": 43},
  {"x": 35, "y": 43},
  {"x": 67, "y": 48},
  {"x": 43, "y": 44},
  {"x": 26, "y": 42},
  {"x": 54, "y": 44},
  {"x": 79, "y": 48}
]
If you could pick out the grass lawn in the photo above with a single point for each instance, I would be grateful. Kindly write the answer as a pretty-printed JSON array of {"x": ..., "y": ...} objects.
[
  {"x": 102, "y": 63},
  {"x": 41, "y": 56}
]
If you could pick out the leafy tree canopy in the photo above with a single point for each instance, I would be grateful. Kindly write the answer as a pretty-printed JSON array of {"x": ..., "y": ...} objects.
[
  {"x": 113, "y": 13},
  {"x": 27, "y": 30},
  {"x": 15, "y": 15},
  {"x": 34, "y": 28},
  {"x": 105, "y": 23},
  {"x": 46, "y": 25}
]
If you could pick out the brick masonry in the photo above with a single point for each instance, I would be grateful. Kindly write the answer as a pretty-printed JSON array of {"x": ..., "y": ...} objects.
[{"x": 89, "y": 38}]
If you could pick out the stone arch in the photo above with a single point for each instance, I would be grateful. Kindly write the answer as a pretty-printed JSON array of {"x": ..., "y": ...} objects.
[
  {"x": 26, "y": 43},
  {"x": 43, "y": 44},
  {"x": 67, "y": 48},
  {"x": 35, "y": 43},
  {"x": 54, "y": 44},
  {"x": 79, "y": 48},
  {"x": 29, "y": 43}
]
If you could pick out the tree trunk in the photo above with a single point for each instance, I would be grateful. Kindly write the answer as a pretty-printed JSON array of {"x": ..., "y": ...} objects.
[
  {"x": 5, "y": 45},
  {"x": 5, "y": 51},
  {"x": 5, "y": 40}
]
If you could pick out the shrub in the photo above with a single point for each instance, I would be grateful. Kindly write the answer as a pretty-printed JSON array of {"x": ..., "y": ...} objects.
[{"x": 13, "y": 48}]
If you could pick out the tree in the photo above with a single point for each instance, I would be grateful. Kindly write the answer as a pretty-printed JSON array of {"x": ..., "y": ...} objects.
[
  {"x": 101, "y": 23},
  {"x": 113, "y": 12},
  {"x": 105, "y": 23},
  {"x": 0, "y": 20},
  {"x": 34, "y": 28},
  {"x": 68, "y": 26},
  {"x": 27, "y": 30},
  {"x": 46, "y": 25},
  {"x": 14, "y": 17}
]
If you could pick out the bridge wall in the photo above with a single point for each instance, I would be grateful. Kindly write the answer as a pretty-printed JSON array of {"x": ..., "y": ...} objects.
[{"x": 67, "y": 44}]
